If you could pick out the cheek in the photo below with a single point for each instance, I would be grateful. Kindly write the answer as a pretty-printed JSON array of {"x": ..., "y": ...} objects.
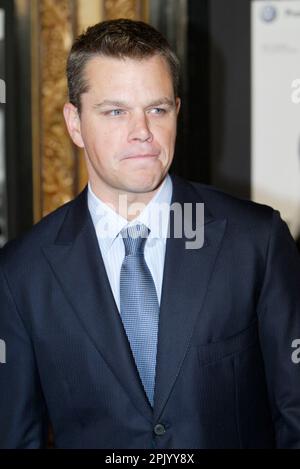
[
  {"x": 103, "y": 147},
  {"x": 97, "y": 140},
  {"x": 166, "y": 137},
  {"x": 108, "y": 136}
]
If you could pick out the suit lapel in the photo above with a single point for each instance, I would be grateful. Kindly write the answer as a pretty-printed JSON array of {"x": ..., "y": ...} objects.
[
  {"x": 77, "y": 263},
  {"x": 186, "y": 277}
]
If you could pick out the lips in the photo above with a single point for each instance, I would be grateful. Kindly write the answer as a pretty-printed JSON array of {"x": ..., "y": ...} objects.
[
  {"x": 141, "y": 154},
  {"x": 146, "y": 155}
]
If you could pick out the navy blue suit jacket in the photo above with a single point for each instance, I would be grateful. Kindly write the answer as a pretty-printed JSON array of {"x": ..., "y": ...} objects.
[{"x": 229, "y": 314}]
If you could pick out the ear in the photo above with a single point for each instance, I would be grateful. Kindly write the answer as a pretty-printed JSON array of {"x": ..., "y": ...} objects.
[
  {"x": 178, "y": 104},
  {"x": 72, "y": 119}
]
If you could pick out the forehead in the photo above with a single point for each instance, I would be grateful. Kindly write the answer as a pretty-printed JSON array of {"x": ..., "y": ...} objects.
[{"x": 106, "y": 74}]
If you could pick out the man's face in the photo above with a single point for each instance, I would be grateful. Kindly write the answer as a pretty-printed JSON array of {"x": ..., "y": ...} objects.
[{"x": 127, "y": 125}]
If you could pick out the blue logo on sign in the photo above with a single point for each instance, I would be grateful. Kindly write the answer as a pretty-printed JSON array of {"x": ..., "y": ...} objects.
[{"x": 269, "y": 13}]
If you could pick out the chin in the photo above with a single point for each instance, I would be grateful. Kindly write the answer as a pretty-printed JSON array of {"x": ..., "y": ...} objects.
[{"x": 146, "y": 183}]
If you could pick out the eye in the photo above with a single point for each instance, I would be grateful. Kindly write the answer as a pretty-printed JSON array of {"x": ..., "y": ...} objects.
[
  {"x": 158, "y": 110},
  {"x": 115, "y": 112}
]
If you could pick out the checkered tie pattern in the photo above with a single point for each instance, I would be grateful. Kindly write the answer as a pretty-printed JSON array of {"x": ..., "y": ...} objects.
[{"x": 139, "y": 305}]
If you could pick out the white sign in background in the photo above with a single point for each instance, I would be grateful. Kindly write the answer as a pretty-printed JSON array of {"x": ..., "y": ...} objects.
[{"x": 275, "y": 161}]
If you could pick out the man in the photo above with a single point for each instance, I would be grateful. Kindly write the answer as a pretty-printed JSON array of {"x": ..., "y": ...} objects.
[{"x": 118, "y": 331}]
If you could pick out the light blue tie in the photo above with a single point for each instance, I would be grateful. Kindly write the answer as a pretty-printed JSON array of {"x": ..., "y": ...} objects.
[{"x": 139, "y": 305}]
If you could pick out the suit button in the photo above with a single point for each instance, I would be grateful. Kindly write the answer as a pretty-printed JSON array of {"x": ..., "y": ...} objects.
[{"x": 159, "y": 429}]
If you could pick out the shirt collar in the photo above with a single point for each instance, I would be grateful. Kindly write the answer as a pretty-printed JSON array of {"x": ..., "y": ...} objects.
[{"x": 109, "y": 223}]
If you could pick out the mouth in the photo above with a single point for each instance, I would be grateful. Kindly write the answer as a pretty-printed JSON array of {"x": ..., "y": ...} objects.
[{"x": 141, "y": 156}]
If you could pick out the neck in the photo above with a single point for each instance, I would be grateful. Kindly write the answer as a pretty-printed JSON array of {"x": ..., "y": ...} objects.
[{"x": 127, "y": 204}]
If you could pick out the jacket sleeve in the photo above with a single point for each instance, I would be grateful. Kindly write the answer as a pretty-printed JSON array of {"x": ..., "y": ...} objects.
[
  {"x": 23, "y": 422},
  {"x": 279, "y": 325}
]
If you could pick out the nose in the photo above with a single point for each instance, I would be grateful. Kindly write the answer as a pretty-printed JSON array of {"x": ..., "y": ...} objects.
[{"x": 139, "y": 129}]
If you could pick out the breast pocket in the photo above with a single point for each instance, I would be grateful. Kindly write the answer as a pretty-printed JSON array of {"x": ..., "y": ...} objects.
[{"x": 216, "y": 351}]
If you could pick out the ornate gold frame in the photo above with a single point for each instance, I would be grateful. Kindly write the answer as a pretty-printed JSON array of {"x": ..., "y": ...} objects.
[{"x": 58, "y": 169}]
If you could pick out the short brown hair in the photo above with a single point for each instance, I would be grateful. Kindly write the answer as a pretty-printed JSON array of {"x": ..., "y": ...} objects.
[{"x": 118, "y": 38}]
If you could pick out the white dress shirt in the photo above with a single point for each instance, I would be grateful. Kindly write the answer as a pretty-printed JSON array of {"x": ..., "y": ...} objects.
[{"x": 108, "y": 224}]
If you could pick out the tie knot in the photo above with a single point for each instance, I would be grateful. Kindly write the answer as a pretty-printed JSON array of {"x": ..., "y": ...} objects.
[{"x": 134, "y": 238}]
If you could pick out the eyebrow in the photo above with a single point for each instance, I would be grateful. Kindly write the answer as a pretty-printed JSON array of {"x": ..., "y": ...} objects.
[{"x": 157, "y": 102}]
